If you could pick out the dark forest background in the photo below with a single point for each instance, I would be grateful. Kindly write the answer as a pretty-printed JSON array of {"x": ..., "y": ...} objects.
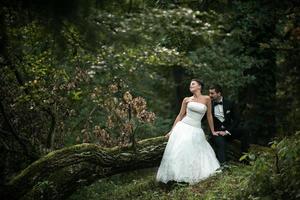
[{"x": 100, "y": 71}]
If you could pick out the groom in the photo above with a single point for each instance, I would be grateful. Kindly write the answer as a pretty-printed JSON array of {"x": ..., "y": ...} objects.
[{"x": 226, "y": 123}]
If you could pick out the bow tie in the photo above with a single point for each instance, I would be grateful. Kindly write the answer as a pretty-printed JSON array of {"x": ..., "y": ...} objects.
[{"x": 218, "y": 103}]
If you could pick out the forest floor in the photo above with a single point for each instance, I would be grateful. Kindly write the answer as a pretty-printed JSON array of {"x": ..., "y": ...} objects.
[{"x": 141, "y": 185}]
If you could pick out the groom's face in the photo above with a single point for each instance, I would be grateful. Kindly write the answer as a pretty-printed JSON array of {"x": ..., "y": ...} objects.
[{"x": 214, "y": 95}]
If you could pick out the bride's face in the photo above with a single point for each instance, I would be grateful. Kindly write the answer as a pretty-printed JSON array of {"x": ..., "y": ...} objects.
[{"x": 194, "y": 86}]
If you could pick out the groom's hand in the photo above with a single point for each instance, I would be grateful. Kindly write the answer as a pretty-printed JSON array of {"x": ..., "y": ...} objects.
[{"x": 222, "y": 133}]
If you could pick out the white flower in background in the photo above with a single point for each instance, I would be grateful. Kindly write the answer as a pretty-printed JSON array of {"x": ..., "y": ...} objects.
[
  {"x": 91, "y": 73},
  {"x": 207, "y": 24},
  {"x": 160, "y": 49}
]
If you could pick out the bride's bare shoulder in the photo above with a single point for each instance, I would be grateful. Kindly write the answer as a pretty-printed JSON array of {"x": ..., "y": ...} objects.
[
  {"x": 187, "y": 99},
  {"x": 207, "y": 98}
]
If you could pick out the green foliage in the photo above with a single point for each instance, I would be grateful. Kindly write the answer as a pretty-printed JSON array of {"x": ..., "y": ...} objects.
[
  {"x": 217, "y": 60},
  {"x": 266, "y": 32},
  {"x": 143, "y": 48},
  {"x": 275, "y": 173}
]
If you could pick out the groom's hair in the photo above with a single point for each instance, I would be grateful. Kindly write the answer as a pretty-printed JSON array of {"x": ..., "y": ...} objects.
[{"x": 216, "y": 87}]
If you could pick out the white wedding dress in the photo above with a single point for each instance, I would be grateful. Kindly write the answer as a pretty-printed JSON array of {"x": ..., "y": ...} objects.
[{"x": 188, "y": 156}]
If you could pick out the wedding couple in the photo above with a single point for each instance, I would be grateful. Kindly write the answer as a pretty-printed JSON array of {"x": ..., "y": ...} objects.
[{"x": 188, "y": 156}]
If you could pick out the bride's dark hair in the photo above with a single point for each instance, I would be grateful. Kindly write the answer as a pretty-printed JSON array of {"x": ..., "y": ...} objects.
[{"x": 199, "y": 82}]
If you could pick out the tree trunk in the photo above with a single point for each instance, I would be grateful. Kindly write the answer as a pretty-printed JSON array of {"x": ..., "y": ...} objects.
[
  {"x": 60, "y": 173},
  {"x": 178, "y": 73}
]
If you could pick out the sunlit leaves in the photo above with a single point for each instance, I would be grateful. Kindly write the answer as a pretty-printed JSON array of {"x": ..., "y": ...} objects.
[{"x": 155, "y": 24}]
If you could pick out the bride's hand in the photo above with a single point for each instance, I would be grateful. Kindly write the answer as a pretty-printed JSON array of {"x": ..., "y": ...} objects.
[
  {"x": 168, "y": 135},
  {"x": 215, "y": 133}
]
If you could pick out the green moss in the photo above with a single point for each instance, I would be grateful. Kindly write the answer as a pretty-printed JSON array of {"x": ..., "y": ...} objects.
[{"x": 37, "y": 165}]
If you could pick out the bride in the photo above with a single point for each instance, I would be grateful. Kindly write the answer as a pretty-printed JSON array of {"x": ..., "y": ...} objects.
[{"x": 188, "y": 156}]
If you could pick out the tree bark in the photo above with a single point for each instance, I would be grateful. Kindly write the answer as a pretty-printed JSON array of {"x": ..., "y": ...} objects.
[{"x": 60, "y": 173}]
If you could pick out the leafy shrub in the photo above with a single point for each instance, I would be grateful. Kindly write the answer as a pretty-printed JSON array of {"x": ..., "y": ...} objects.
[{"x": 275, "y": 174}]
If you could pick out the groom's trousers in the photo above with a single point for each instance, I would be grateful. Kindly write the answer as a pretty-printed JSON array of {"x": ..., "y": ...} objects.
[{"x": 220, "y": 142}]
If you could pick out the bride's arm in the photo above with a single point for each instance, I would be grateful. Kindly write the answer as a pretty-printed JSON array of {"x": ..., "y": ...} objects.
[
  {"x": 181, "y": 114},
  {"x": 209, "y": 118},
  {"x": 182, "y": 111}
]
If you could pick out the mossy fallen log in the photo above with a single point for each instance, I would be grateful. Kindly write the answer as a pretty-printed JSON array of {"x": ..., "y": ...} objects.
[{"x": 60, "y": 173}]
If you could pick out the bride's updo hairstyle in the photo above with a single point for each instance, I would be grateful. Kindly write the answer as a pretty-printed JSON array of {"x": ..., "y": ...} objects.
[{"x": 199, "y": 82}]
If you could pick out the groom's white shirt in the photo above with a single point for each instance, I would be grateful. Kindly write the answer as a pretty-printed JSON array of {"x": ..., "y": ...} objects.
[{"x": 219, "y": 111}]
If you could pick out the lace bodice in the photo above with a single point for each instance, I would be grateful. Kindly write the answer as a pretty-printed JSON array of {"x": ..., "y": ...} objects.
[{"x": 194, "y": 113}]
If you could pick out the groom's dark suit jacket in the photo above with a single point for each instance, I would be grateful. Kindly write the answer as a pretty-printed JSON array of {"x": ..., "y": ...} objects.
[{"x": 230, "y": 114}]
